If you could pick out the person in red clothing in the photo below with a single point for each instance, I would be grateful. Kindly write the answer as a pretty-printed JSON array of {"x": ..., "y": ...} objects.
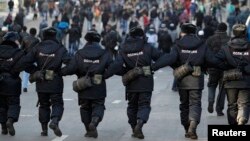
[
  {"x": 187, "y": 5},
  {"x": 146, "y": 21}
]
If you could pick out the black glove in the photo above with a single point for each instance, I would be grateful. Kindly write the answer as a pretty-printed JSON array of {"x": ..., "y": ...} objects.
[{"x": 38, "y": 76}]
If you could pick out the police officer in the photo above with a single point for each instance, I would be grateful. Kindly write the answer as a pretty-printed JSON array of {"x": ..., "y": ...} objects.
[
  {"x": 10, "y": 83},
  {"x": 215, "y": 43},
  {"x": 236, "y": 75},
  {"x": 49, "y": 55},
  {"x": 188, "y": 58},
  {"x": 90, "y": 62},
  {"x": 74, "y": 38},
  {"x": 135, "y": 57}
]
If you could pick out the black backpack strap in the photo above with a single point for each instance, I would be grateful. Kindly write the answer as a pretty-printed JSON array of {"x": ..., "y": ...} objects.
[{"x": 48, "y": 59}]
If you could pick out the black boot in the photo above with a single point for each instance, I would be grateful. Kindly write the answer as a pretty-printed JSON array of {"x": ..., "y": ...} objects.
[
  {"x": 45, "y": 129},
  {"x": 133, "y": 130},
  {"x": 192, "y": 130},
  {"x": 87, "y": 130},
  {"x": 186, "y": 131},
  {"x": 210, "y": 107},
  {"x": 138, "y": 129},
  {"x": 92, "y": 127},
  {"x": 10, "y": 126},
  {"x": 4, "y": 129},
  {"x": 54, "y": 126},
  {"x": 220, "y": 113}
]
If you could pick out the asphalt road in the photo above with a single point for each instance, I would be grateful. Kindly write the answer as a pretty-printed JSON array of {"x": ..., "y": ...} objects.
[{"x": 163, "y": 125}]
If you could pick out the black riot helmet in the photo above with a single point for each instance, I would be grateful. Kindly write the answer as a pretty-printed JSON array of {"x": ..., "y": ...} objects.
[
  {"x": 92, "y": 36},
  {"x": 188, "y": 28},
  {"x": 239, "y": 30},
  {"x": 136, "y": 31},
  {"x": 49, "y": 32}
]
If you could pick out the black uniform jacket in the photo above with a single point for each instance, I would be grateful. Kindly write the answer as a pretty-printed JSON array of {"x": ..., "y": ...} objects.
[
  {"x": 10, "y": 82},
  {"x": 91, "y": 60},
  {"x": 189, "y": 49},
  {"x": 135, "y": 51},
  {"x": 47, "y": 55},
  {"x": 236, "y": 54}
]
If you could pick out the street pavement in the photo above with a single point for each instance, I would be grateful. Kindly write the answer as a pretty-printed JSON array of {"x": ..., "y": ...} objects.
[{"x": 163, "y": 125}]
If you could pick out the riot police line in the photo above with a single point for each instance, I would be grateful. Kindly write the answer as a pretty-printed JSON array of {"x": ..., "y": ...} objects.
[{"x": 92, "y": 64}]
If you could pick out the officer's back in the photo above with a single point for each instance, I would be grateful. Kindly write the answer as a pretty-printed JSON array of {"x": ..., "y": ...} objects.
[
  {"x": 48, "y": 55},
  {"x": 9, "y": 55},
  {"x": 191, "y": 49},
  {"x": 136, "y": 52},
  {"x": 236, "y": 54},
  {"x": 89, "y": 61}
]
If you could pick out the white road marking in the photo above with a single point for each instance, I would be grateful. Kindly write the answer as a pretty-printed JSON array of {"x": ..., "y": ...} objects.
[
  {"x": 60, "y": 138},
  {"x": 116, "y": 102},
  {"x": 27, "y": 115},
  {"x": 68, "y": 99}
]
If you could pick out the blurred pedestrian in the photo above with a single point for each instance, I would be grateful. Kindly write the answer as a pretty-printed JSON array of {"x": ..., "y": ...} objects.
[
  {"x": 152, "y": 37},
  {"x": 164, "y": 39},
  {"x": 11, "y": 5}
]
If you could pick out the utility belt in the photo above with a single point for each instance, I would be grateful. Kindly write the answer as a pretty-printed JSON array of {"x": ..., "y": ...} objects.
[
  {"x": 42, "y": 75},
  {"x": 86, "y": 82},
  {"x": 186, "y": 69},
  {"x": 232, "y": 75},
  {"x": 135, "y": 73}
]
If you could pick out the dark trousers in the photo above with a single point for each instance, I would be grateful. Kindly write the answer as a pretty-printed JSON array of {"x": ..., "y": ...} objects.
[
  {"x": 9, "y": 108},
  {"x": 138, "y": 107},
  {"x": 91, "y": 108},
  {"x": 50, "y": 99},
  {"x": 190, "y": 106},
  {"x": 238, "y": 105},
  {"x": 73, "y": 47},
  {"x": 213, "y": 82}
]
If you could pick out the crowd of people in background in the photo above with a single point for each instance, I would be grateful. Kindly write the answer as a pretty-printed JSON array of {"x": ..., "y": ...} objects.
[
  {"x": 154, "y": 24},
  {"x": 122, "y": 15},
  {"x": 160, "y": 20}
]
